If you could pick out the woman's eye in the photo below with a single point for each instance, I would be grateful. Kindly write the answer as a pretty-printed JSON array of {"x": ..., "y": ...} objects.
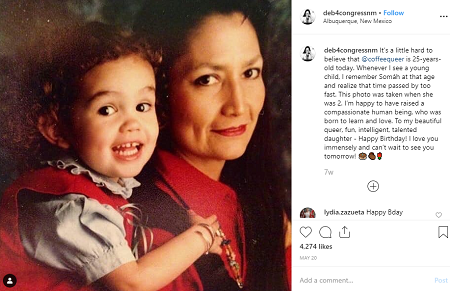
[
  {"x": 252, "y": 73},
  {"x": 107, "y": 110},
  {"x": 206, "y": 80},
  {"x": 143, "y": 107}
]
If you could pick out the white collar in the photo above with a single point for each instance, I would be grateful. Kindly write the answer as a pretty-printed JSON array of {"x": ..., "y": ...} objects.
[{"x": 76, "y": 167}]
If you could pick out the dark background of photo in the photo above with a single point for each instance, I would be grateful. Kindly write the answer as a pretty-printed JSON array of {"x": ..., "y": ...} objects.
[{"x": 23, "y": 22}]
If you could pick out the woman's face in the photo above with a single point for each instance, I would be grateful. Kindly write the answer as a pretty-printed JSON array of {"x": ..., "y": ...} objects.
[
  {"x": 307, "y": 13},
  {"x": 216, "y": 90},
  {"x": 307, "y": 50}
]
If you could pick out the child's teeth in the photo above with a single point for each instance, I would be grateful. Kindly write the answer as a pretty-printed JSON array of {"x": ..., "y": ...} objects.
[
  {"x": 128, "y": 153},
  {"x": 126, "y": 148}
]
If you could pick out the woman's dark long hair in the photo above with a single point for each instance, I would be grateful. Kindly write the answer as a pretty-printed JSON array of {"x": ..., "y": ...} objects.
[{"x": 254, "y": 176}]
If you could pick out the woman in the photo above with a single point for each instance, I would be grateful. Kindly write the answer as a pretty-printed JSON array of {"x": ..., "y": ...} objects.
[
  {"x": 215, "y": 152},
  {"x": 307, "y": 18},
  {"x": 307, "y": 213},
  {"x": 307, "y": 54}
]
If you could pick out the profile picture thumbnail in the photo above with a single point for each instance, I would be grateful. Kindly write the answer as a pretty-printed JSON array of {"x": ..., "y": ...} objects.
[
  {"x": 308, "y": 54},
  {"x": 308, "y": 17},
  {"x": 307, "y": 212}
]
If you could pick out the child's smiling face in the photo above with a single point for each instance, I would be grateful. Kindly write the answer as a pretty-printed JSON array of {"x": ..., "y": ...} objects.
[{"x": 113, "y": 122}]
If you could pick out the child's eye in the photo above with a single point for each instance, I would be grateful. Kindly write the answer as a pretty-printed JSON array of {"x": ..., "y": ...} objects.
[
  {"x": 143, "y": 107},
  {"x": 206, "y": 80},
  {"x": 252, "y": 73},
  {"x": 107, "y": 110}
]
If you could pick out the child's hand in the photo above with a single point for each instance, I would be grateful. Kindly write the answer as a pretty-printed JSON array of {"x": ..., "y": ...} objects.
[
  {"x": 195, "y": 218},
  {"x": 211, "y": 221}
]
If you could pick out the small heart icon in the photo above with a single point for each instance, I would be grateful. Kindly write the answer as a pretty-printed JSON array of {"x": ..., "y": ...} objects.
[
  {"x": 438, "y": 214},
  {"x": 305, "y": 231}
]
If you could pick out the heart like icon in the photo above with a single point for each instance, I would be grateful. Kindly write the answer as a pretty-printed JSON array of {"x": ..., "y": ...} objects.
[
  {"x": 305, "y": 231},
  {"x": 438, "y": 214}
]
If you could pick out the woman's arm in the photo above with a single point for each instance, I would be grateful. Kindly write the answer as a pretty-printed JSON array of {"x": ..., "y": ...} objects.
[{"x": 162, "y": 265}]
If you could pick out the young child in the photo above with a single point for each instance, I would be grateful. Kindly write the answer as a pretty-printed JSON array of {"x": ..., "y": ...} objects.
[{"x": 91, "y": 117}]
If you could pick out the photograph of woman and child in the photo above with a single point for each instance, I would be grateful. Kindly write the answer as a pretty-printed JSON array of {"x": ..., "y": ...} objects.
[{"x": 143, "y": 158}]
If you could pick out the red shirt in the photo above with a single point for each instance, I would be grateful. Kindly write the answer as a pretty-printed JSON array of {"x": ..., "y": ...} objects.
[
  {"x": 178, "y": 179},
  {"x": 183, "y": 187},
  {"x": 206, "y": 197}
]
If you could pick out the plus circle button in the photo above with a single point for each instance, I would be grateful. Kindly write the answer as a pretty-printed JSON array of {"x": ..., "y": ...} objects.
[{"x": 373, "y": 186}]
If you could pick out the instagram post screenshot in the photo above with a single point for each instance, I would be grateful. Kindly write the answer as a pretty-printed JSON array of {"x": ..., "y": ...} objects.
[
  {"x": 146, "y": 144},
  {"x": 370, "y": 204}
]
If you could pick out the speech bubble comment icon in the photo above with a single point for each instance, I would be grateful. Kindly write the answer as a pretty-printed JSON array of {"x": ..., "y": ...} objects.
[
  {"x": 305, "y": 231},
  {"x": 325, "y": 232}
]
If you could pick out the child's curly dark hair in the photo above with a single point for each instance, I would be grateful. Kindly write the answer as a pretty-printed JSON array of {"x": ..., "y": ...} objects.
[{"x": 47, "y": 82}]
